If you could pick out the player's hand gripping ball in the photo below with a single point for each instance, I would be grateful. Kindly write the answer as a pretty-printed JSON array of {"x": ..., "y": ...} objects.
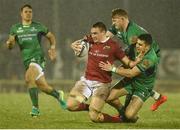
[{"x": 84, "y": 49}]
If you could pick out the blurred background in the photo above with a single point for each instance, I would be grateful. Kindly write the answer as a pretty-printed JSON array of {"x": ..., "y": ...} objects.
[{"x": 70, "y": 20}]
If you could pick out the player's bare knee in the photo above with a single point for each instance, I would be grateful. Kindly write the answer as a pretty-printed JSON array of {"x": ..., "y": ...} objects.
[
  {"x": 72, "y": 104},
  {"x": 30, "y": 81},
  {"x": 29, "y": 77},
  {"x": 94, "y": 115},
  {"x": 103, "y": 93}
]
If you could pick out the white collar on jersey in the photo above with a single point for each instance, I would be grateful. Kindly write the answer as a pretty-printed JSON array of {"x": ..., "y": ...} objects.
[{"x": 105, "y": 40}]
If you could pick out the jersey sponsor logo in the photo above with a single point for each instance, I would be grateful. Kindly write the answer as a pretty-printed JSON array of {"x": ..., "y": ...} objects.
[
  {"x": 26, "y": 26},
  {"x": 20, "y": 30},
  {"x": 27, "y": 35},
  {"x": 96, "y": 53}
]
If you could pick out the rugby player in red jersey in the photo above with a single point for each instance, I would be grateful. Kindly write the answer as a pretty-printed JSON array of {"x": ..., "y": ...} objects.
[{"x": 96, "y": 82}]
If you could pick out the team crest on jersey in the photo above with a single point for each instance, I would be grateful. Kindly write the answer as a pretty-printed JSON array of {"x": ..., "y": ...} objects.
[
  {"x": 106, "y": 47},
  {"x": 33, "y": 29}
]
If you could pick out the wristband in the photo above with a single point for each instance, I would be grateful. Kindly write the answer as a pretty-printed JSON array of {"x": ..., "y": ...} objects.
[
  {"x": 52, "y": 47},
  {"x": 114, "y": 69}
]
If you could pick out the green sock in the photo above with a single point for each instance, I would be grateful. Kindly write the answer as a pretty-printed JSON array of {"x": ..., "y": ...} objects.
[
  {"x": 33, "y": 92},
  {"x": 54, "y": 93},
  {"x": 127, "y": 100}
]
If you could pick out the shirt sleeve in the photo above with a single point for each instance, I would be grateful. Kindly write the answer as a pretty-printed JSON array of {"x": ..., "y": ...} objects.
[
  {"x": 43, "y": 29},
  {"x": 145, "y": 64},
  {"x": 12, "y": 31},
  {"x": 113, "y": 30}
]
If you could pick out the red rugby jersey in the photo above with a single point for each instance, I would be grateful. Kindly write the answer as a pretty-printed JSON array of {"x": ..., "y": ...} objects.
[{"x": 105, "y": 51}]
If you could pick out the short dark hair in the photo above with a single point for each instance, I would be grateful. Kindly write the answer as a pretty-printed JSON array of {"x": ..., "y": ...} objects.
[
  {"x": 146, "y": 37},
  {"x": 119, "y": 12},
  {"x": 100, "y": 25},
  {"x": 26, "y": 5}
]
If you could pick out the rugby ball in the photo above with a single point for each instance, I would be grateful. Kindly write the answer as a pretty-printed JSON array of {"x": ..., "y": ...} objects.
[{"x": 84, "y": 49}]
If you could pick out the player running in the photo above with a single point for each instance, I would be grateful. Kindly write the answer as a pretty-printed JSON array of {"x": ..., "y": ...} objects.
[{"x": 27, "y": 35}]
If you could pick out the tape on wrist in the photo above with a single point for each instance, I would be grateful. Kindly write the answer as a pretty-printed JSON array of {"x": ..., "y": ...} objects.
[
  {"x": 52, "y": 46},
  {"x": 114, "y": 69}
]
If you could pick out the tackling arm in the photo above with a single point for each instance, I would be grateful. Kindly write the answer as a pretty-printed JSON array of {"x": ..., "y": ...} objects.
[
  {"x": 129, "y": 62},
  {"x": 120, "y": 70},
  {"x": 128, "y": 72}
]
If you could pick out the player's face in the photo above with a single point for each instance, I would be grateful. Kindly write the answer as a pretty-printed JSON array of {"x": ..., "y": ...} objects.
[
  {"x": 26, "y": 14},
  {"x": 118, "y": 22},
  {"x": 97, "y": 34},
  {"x": 140, "y": 46}
]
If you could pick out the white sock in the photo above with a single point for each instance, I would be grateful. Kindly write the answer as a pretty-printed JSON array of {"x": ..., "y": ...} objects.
[{"x": 156, "y": 95}]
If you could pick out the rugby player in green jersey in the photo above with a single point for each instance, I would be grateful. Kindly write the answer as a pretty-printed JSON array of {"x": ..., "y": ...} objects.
[
  {"x": 128, "y": 32},
  {"x": 27, "y": 35},
  {"x": 142, "y": 76}
]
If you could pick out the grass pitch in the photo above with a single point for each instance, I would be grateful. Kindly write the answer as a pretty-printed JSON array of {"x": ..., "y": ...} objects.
[{"x": 15, "y": 108}]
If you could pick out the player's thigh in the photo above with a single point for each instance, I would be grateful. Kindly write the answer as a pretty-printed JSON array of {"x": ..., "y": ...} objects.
[
  {"x": 31, "y": 74},
  {"x": 77, "y": 94},
  {"x": 133, "y": 107},
  {"x": 42, "y": 82},
  {"x": 78, "y": 89},
  {"x": 99, "y": 96},
  {"x": 116, "y": 93},
  {"x": 121, "y": 88},
  {"x": 96, "y": 104},
  {"x": 121, "y": 83}
]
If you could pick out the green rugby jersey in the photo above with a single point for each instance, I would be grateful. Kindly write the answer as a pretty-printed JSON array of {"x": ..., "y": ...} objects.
[
  {"x": 133, "y": 30},
  {"x": 28, "y": 37},
  {"x": 148, "y": 68}
]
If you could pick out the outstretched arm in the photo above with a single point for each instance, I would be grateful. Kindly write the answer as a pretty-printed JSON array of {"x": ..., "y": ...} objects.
[{"x": 52, "y": 49}]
